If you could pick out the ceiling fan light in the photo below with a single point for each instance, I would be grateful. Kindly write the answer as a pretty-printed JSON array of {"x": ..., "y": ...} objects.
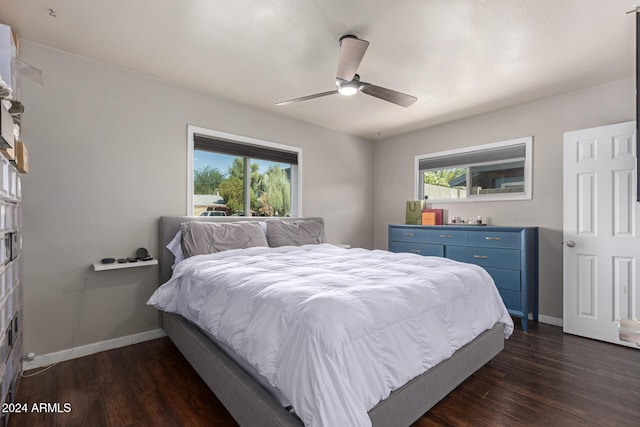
[{"x": 347, "y": 90}]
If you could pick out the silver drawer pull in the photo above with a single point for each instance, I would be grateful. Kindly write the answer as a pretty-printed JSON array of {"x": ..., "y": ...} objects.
[
  {"x": 480, "y": 256},
  {"x": 491, "y": 238},
  {"x": 408, "y": 234},
  {"x": 416, "y": 251},
  {"x": 446, "y": 236}
]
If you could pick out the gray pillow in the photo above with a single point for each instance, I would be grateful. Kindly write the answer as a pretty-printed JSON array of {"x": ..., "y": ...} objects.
[
  {"x": 199, "y": 238},
  {"x": 295, "y": 233}
]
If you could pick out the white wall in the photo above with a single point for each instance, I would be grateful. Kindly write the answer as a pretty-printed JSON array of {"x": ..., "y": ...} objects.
[
  {"x": 108, "y": 157},
  {"x": 546, "y": 121}
]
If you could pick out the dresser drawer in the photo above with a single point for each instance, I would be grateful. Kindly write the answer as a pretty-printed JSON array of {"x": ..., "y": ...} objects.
[
  {"x": 511, "y": 299},
  {"x": 498, "y": 239},
  {"x": 485, "y": 257},
  {"x": 407, "y": 235},
  {"x": 425, "y": 249},
  {"x": 505, "y": 279},
  {"x": 446, "y": 237}
]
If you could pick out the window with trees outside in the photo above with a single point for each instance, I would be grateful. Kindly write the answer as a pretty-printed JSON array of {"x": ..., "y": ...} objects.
[
  {"x": 498, "y": 171},
  {"x": 231, "y": 175}
]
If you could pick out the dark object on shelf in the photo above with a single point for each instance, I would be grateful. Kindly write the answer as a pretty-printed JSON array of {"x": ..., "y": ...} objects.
[
  {"x": 142, "y": 253},
  {"x": 132, "y": 259},
  {"x": 108, "y": 260},
  {"x": 122, "y": 260}
]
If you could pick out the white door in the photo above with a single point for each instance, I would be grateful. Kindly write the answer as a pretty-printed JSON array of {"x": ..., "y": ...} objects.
[{"x": 601, "y": 250}]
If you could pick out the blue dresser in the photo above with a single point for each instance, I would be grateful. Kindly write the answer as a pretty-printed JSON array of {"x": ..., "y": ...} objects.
[{"x": 509, "y": 254}]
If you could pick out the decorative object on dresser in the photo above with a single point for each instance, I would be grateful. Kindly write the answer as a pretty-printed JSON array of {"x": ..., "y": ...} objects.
[
  {"x": 432, "y": 216},
  {"x": 414, "y": 211},
  {"x": 509, "y": 254}
]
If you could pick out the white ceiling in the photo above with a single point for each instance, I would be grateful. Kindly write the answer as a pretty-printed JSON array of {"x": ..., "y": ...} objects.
[{"x": 458, "y": 57}]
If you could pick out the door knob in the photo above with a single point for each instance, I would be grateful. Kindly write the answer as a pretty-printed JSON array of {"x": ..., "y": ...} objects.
[{"x": 571, "y": 243}]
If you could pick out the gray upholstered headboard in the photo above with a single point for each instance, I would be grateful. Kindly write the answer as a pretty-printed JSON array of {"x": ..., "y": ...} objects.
[{"x": 169, "y": 226}]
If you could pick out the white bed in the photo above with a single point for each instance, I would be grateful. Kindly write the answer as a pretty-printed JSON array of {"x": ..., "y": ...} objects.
[{"x": 336, "y": 331}]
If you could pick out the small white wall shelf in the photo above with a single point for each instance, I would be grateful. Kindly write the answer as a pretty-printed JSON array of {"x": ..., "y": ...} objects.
[{"x": 98, "y": 266}]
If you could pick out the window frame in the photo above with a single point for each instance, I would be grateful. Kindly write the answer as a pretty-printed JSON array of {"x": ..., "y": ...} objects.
[
  {"x": 296, "y": 175},
  {"x": 418, "y": 189}
]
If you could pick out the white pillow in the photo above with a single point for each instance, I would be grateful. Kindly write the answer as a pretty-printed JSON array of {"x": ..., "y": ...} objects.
[{"x": 175, "y": 247}]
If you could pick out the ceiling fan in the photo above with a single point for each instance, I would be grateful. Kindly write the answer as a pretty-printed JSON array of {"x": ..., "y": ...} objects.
[{"x": 352, "y": 51}]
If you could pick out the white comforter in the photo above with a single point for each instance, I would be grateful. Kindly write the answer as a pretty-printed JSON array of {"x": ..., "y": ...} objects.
[{"x": 335, "y": 330}]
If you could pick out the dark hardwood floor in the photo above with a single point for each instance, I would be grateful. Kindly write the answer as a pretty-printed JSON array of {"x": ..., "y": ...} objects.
[{"x": 542, "y": 378}]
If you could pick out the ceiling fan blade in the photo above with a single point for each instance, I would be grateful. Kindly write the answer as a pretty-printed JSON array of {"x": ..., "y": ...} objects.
[
  {"x": 306, "y": 98},
  {"x": 385, "y": 94},
  {"x": 352, "y": 51}
]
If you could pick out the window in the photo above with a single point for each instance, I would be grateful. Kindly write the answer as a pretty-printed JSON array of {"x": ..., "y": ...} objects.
[
  {"x": 499, "y": 171},
  {"x": 240, "y": 176}
]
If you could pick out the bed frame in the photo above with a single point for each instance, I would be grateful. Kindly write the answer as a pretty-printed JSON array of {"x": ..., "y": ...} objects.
[{"x": 252, "y": 405}]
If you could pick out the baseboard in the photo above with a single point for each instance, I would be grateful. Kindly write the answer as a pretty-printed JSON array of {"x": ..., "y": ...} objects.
[
  {"x": 85, "y": 350},
  {"x": 550, "y": 320}
]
